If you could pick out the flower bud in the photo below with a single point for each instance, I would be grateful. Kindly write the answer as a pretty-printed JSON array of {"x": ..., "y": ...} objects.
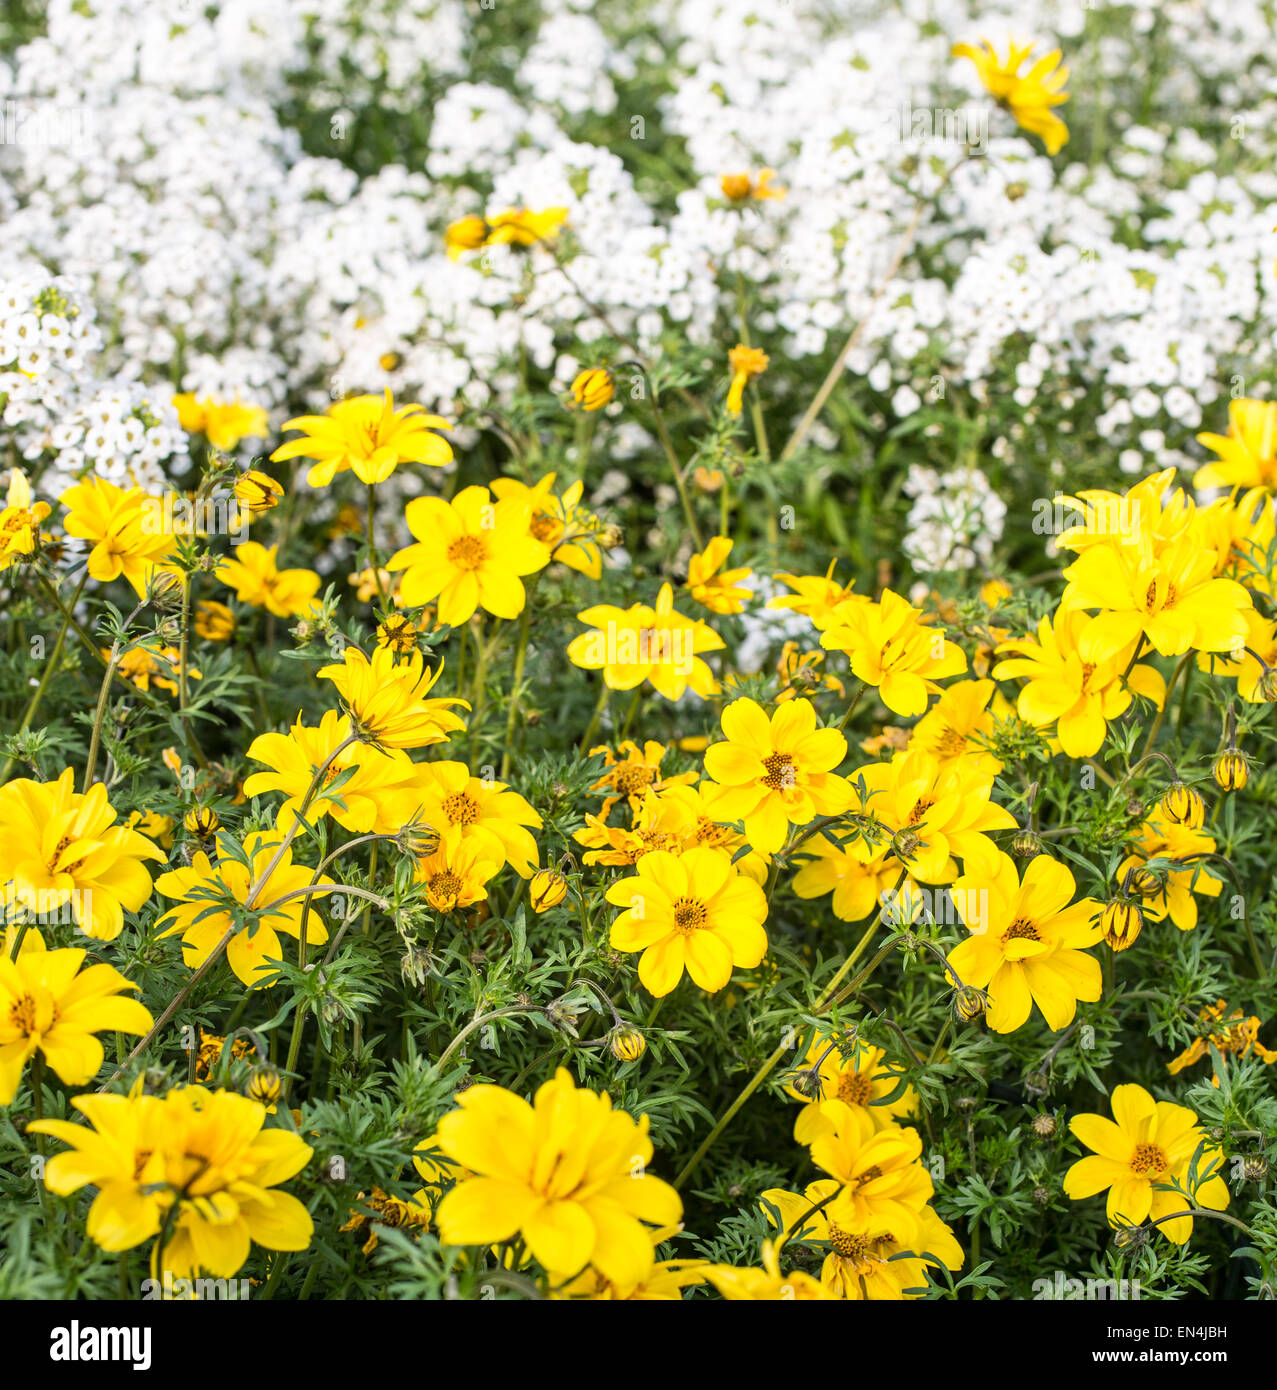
[
  {"x": 626, "y": 1043},
  {"x": 1044, "y": 1126},
  {"x": 808, "y": 1083},
  {"x": 1026, "y": 844},
  {"x": 1121, "y": 923},
  {"x": 547, "y": 889},
  {"x": 202, "y": 822},
  {"x": 969, "y": 1003},
  {"x": 257, "y": 492},
  {"x": 265, "y": 1086},
  {"x": 1231, "y": 770},
  {"x": 1183, "y": 805},
  {"x": 1266, "y": 686},
  {"x": 593, "y": 389},
  {"x": 1254, "y": 1167}
]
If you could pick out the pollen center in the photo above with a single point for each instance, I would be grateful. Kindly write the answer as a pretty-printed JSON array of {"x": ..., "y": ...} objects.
[
  {"x": 850, "y": 1246},
  {"x": 781, "y": 773},
  {"x": 920, "y": 809},
  {"x": 468, "y": 552},
  {"x": 689, "y": 914},
  {"x": 854, "y": 1088},
  {"x": 461, "y": 808},
  {"x": 22, "y": 1014},
  {"x": 445, "y": 885},
  {"x": 636, "y": 777},
  {"x": 1148, "y": 1158},
  {"x": 1022, "y": 930}
]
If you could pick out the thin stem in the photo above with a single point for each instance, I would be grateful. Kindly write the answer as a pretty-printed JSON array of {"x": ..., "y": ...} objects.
[
  {"x": 478, "y": 1023},
  {"x": 99, "y": 717},
  {"x": 677, "y": 469}
]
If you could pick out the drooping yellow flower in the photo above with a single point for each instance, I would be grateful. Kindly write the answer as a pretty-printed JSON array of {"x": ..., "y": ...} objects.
[
  {"x": 1233, "y": 1035},
  {"x": 1028, "y": 96},
  {"x": 376, "y": 791},
  {"x": 49, "y": 1005},
  {"x": 747, "y": 187},
  {"x": 19, "y": 521},
  {"x": 692, "y": 910},
  {"x": 223, "y": 423},
  {"x": 642, "y": 643},
  {"x": 934, "y": 813},
  {"x": 367, "y": 435},
  {"x": 744, "y": 1284},
  {"x": 891, "y": 646},
  {"x": 713, "y": 587},
  {"x": 207, "y": 895},
  {"x": 593, "y": 388},
  {"x": 819, "y": 596},
  {"x": 879, "y": 1172},
  {"x": 575, "y": 536},
  {"x": 568, "y": 1173},
  {"x": 1028, "y": 941},
  {"x": 1137, "y": 1154},
  {"x": 858, "y": 1079},
  {"x": 482, "y": 809},
  {"x": 194, "y": 1164},
  {"x": 257, "y": 492},
  {"x": 776, "y": 773},
  {"x": 1081, "y": 697},
  {"x": 1161, "y": 838},
  {"x": 388, "y": 699},
  {"x": 214, "y": 622},
  {"x": 471, "y": 553},
  {"x": 866, "y": 1264},
  {"x": 855, "y": 873},
  {"x": 1247, "y": 453},
  {"x": 385, "y": 1210},
  {"x": 153, "y": 826},
  {"x": 746, "y": 363},
  {"x": 61, "y": 848},
  {"x": 125, "y": 528},
  {"x": 546, "y": 890},
  {"x": 257, "y": 580},
  {"x": 456, "y": 871}
]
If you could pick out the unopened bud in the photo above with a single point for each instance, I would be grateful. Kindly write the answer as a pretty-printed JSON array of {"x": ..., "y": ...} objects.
[
  {"x": 1231, "y": 770},
  {"x": 626, "y": 1043},
  {"x": 1184, "y": 805},
  {"x": 1121, "y": 923},
  {"x": 547, "y": 889}
]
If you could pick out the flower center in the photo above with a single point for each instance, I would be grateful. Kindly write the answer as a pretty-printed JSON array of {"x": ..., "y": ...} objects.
[
  {"x": 1022, "y": 930},
  {"x": 445, "y": 885},
  {"x": 1148, "y": 1158},
  {"x": 852, "y": 1247},
  {"x": 461, "y": 808},
  {"x": 468, "y": 552},
  {"x": 635, "y": 777},
  {"x": 689, "y": 915},
  {"x": 951, "y": 743},
  {"x": 1150, "y": 597},
  {"x": 22, "y": 1015},
  {"x": 781, "y": 773},
  {"x": 868, "y": 1176},
  {"x": 546, "y": 528},
  {"x": 854, "y": 1088},
  {"x": 920, "y": 809}
]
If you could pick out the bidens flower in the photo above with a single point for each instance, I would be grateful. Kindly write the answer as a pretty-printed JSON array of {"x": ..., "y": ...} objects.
[
  {"x": 194, "y": 1164},
  {"x": 1247, "y": 453},
  {"x": 257, "y": 492},
  {"x": 1137, "y": 1154},
  {"x": 223, "y": 423},
  {"x": 49, "y": 1005},
  {"x": 387, "y": 700},
  {"x": 471, "y": 553},
  {"x": 1030, "y": 96},
  {"x": 746, "y": 363},
  {"x": 20, "y": 521},
  {"x": 692, "y": 910},
  {"x": 568, "y": 1173},
  {"x": 257, "y": 580},
  {"x": 513, "y": 227},
  {"x": 367, "y": 435},
  {"x": 743, "y": 188},
  {"x": 776, "y": 773},
  {"x": 125, "y": 529},
  {"x": 712, "y": 586},
  {"x": 593, "y": 388}
]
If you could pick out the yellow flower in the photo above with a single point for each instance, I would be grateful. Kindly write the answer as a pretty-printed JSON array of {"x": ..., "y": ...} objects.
[
  {"x": 934, "y": 812},
  {"x": 1029, "y": 96},
  {"x": 1027, "y": 942},
  {"x": 742, "y": 188},
  {"x": 523, "y": 227},
  {"x": 387, "y": 700},
  {"x": 456, "y": 870},
  {"x": 1121, "y": 923},
  {"x": 664, "y": 1283},
  {"x": 1250, "y": 666},
  {"x": 19, "y": 521},
  {"x": 568, "y": 1173},
  {"x": 224, "y": 423},
  {"x": 1183, "y": 805},
  {"x": 960, "y": 724},
  {"x": 470, "y": 553},
  {"x": 367, "y": 435},
  {"x": 1136, "y": 1155},
  {"x": 465, "y": 234},
  {"x": 637, "y": 644},
  {"x": 593, "y": 388},
  {"x": 49, "y": 1005},
  {"x": 208, "y": 1054},
  {"x": 145, "y": 667},
  {"x": 626, "y": 1043},
  {"x": 575, "y": 536},
  {"x": 202, "y": 822},
  {"x": 856, "y": 874},
  {"x": 547, "y": 890},
  {"x": 1160, "y": 838},
  {"x": 153, "y": 826},
  {"x": 194, "y": 1164},
  {"x": 210, "y": 898},
  {"x": 719, "y": 592},
  {"x": 124, "y": 527},
  {"x": 891, "y": 646},
  {"x": 859, "y": 1079},
  {"x": 692, "y": 910},
  {"x": 819, "y": 596},
  {"x": 257, "y": 580},
  {"x": 257, "y": 492},
  {"x": 365, "y": 583},
  {"x": 481, "y": 809},
  {"x": 746, "y": 363},
  {"x": 800, "y": 674},
  {"x": 776, "y": 773},
  {"x": 868, "y": 1263},
  {"x": 1081, "y": 697},
  {"x": 61, "y": 847},
  {"x": 879, "y": 1172},
  {"x": 1247, "y": 453},
  {"x": 1231, "y": 770},
  {"x": 768, "y": 1284},
  {"x": 395, "y": 1212},
  {"x": 214, "y": 622},
  {"x": 1234, "y": 1036},
  {"x": 373, "y": 792},
  {"x": 633, "y": 772},
  {"x": 398, "y": 634}
]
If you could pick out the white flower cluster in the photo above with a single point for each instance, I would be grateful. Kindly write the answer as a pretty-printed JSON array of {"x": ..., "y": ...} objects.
[{"x": 955, "y": 521}]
